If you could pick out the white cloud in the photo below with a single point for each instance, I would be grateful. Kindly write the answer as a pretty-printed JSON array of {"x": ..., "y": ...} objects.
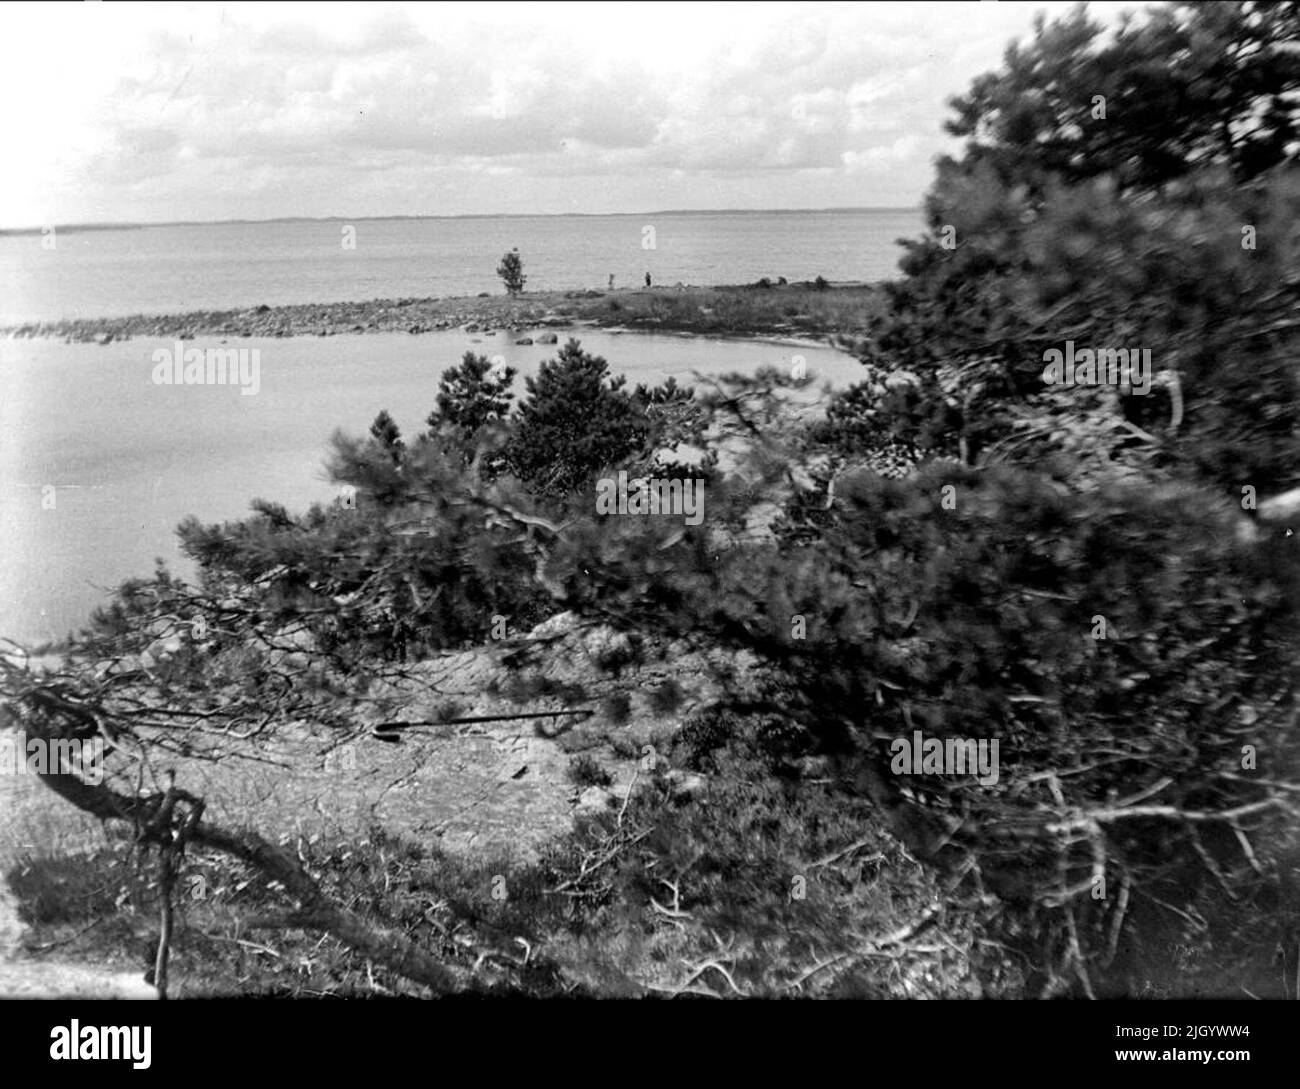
[
  {"x": 900, "y": 151},
  {"x": 152, "y": 112}
]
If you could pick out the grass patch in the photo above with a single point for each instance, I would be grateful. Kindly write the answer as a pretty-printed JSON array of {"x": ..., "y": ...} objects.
[
  {"x": 584, "y": 772},
  {"x": 754, "y": 309},
  {"x": 519, "y": 688},
  {"x": 617, "y": 707},
  {"x": 681, "y": 882},
  {"x": 666, "y": 698}
]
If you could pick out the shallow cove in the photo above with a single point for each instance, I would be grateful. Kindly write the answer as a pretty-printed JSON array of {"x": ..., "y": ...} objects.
[{"x": 128, "y": 459}]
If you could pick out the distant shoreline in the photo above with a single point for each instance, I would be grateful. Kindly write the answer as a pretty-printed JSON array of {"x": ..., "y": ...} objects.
[
  {"x": 69, "y": 228},
  {"x": 793, "y": 311}
]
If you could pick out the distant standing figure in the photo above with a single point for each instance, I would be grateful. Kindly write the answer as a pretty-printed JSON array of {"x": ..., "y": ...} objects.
[
  {"x": 647, "y": 279},
  {"x": 611, "y": 281}
]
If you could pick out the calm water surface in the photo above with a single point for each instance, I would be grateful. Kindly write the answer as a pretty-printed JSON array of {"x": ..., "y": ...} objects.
[
  {"x": 155, "y": 270},
  {"x": 128, "y": 459}
]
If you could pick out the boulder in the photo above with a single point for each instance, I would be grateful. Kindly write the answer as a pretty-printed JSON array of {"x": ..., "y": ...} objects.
[
  {"x": 1281, "y": 508},
  {"x": 609, "y": 649},
  {"x": 686, "y": 784},
  {"x": 593, "y": 800}
]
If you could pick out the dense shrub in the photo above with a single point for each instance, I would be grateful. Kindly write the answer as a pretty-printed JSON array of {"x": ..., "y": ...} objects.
[
  {"x": 410, "y": 571},
  {"x": 585, "y": 772},
  {"x": 1058, "y": 226},
  {"x": 1119, "y": 646},
  {"x": 1187, "y": 86}
]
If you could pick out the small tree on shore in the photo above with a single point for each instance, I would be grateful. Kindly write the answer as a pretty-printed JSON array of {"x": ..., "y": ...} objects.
[{"x": 511, "y": 271}]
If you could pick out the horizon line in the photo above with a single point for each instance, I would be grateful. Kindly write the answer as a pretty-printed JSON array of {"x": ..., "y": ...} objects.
[{"x": 128, "y": 225}]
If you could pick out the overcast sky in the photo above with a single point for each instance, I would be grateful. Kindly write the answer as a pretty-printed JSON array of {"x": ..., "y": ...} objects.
[{"x": 156, "y": 112}]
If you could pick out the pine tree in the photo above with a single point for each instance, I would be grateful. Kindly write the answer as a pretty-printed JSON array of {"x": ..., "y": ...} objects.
[
  {"x": 1075, "y": 212},
  {"x": 1192, "y": 86},
  {"x": 575, "y": 421},
  {"x": 386, "y": 434},
  {"x": 470, "y": 395}
]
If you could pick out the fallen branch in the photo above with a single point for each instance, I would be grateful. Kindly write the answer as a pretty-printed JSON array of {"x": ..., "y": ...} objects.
[
  {"x": 315, "y": 910},
  {"x": 835, "y": 856},
  {"x": 586, "y": 871},
  {"x": 902, "y": 934},
  {"x": 390, "y": 727}
]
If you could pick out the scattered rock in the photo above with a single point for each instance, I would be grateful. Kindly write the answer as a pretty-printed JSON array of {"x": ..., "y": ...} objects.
[
  {"x": 380, "y": 315},
  {"x": 594, "y": 800},
  {"x": 581, "y": 739},
  {"x": 814, "y": 767},
  {"x": 609, "y": 649},
  {"x": 686, "y": 784},
  {"x": 524, "y": 340}
]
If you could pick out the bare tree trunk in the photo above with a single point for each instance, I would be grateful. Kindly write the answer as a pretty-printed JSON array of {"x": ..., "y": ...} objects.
[
  {"x": 388, "y": 947},
  {"x": 166, "y": 879},
  {"x": 316, "y": 910}
]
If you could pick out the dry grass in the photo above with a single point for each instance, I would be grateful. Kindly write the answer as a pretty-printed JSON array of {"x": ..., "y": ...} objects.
[{"x": 789, "y": 310}]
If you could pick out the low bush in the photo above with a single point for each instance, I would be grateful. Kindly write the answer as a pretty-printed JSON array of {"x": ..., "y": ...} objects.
[{"x": 584, "y": 771}]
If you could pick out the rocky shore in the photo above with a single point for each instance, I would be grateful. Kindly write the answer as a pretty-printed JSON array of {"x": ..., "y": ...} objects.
[{"x": 743, "y": 311}]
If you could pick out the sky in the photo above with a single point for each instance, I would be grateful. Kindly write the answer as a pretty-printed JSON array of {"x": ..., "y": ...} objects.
[{"x": 157, "y": 112}]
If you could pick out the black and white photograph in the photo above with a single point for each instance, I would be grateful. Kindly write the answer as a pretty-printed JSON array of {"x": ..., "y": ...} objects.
[{"x": 665, "y": 506}]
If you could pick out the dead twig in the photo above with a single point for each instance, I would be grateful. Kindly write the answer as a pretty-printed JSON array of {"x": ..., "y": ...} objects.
[
  {"x": 586, "y": 871},
  {"x": 897, "y": 937},
  {"x": 836, "y": 855}
]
